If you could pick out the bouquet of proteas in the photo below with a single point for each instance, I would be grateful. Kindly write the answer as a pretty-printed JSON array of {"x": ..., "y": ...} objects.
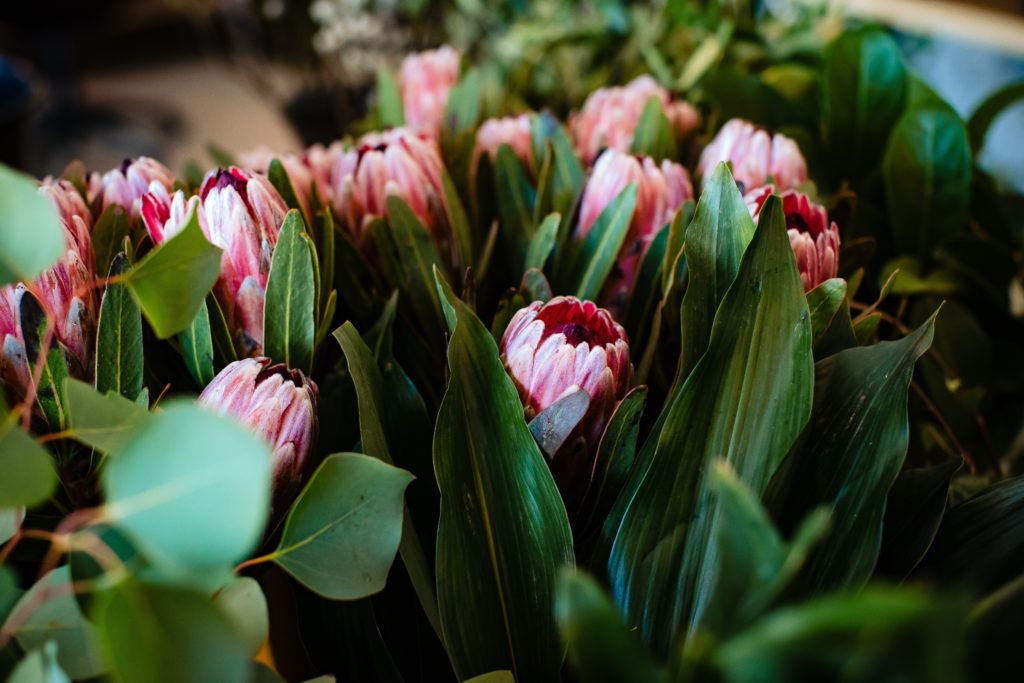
[{"x": 454, "y": 398}]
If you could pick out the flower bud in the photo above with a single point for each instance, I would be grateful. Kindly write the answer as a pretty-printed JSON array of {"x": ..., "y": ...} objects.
[
  {"x": 277, "y": 403},
  {"x": 424, "y": 80},
  {"x": 513, "y": 131},
  {"x": 814, "y": 239},
  {"x": 555, "y": 349},
  {"x": 609, "y": 116},
  {"x": 308, "y": 171},
  {"x": 661, "y": 191},
  {"x": 396, "y": 162},
  {"x": 242, "y": 214},
  {"x": 757, "y": 157},
  {"x": 67, "y": 201},
  {"x": 126, "y": 184}
]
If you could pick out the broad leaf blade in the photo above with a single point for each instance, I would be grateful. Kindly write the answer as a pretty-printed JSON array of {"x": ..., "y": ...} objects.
[
  {"x": 107, "y": 422},
  {"x": 504, "y": 533},
  {"x": 289, "y": 316},
  {"x": 599, "y": 250},
  {"x": 31, "y": 235},
  {"x": 29, "y": 474},
  {"x": 119, "y": 358},
  {"x": 197, "y": 347}
]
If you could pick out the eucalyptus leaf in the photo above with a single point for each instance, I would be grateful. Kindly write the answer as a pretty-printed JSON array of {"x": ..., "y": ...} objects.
[
  {"x": 31, "y": 235},
  {"x": 10, "y": 521},
  {"x": 342, "y": 533},
  {"x": 40, "y": 666},
  {"x": 289, "y": 314},
  {"x": 29, "y": 474},
  {"x": 503, "y": 534},
  {"x": 119, "y": 357},
  {"x": 242, "y": 601},
  {"x": 107, "y": 422}
]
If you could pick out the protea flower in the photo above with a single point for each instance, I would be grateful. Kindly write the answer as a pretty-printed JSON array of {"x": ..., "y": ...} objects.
[
  {"x": 396, "y": 162},
  {"x": 552, "y": 350},
  {"x": 513, "y": 131},
  {"x": 661, "y": 191},
  {"x": 609, "y": 116},
  {"x": 757, "y": 157},
  {"x": 425, "y": 79},
  {"x": 277, "y": 403},
  {"x": 307, "y": 170},
  {"x": 65, "y": 292},
  {"x": 126, "y": 184},
  {"x": 242, "y": 214},
  {"x": 815, "y": 240}
]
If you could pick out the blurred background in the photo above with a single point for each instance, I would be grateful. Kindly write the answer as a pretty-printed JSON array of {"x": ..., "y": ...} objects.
[{"x": 99, "y": 81}]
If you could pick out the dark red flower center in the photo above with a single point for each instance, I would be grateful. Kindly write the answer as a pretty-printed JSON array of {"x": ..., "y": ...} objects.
[
  {"x": 582, "y": 322},
  {"x": 294, "y": 376},
  {"x": 231, "y": 177}
]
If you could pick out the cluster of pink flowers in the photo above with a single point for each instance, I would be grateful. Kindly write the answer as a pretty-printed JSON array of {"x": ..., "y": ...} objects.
[{"x": 757, "y": 156}]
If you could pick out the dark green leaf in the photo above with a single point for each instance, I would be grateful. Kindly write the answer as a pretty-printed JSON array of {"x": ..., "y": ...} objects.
[
  {"x": 647, "y": 292},
  {"x": 516, "y": 197},
  {"x": 107, "y": 422},
  {"x": 119, "y": 358},
  {"x": 745, "y": 401},
  {"x": 653, "y": 135},
  {"x": 989, "y": 110},
  {"x": 172, "y": 281},
  {"x": 542, "y": 242},
  {"x": 29, "y": 476},
  {"x": 504, "y": 533},
  {"x": 31, "y": 235},
  {"x": 465, "y": 237},
  {"x": 278, "y": 177},
  {"x": 927, "y": 171},
  {"x": 601, "y": 647},
  {"x": 850, "y": 454},
  {"x": 418, "y": 256},
  {"x": 342, "y": 533},
  {"x": 569, "y": 175},
  {"x": 289, "y": 315},
  {"x": 192, "y": 489},
  {"x": 824, "y": 302},
  {"x": 166, "y": 635},
  {"x": 596, "y": 255},
  {"x": 108, "y": 236},
  {"x": 223, "y": 341},
  {"x": 463, "y": 107},
  {"x": 50, "y": 390},
  {"x": 197, "y": 347}
]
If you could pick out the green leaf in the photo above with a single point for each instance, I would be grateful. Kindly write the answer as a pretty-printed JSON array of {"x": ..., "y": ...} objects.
[
  {"x": 192, "y": 489},
  {"x": 31, "y": 234},
  {"x": 716, "y": 239},
  {"x": 542, "y": 243},
  {"x": 554, "y": 425},
  {"x": 279, "y": 178},
  {"x": 601, "y": 647},
  {"x": 119, "y": 357},
  {"x": 50, "y": 390},
  {"x": 493, "y": 677},
  {"x": 878, "y": 634},
  {"x": 864, "y": 85},
  {"x": 220, "y": 333},
  {"x": 377, "y": 426},
  {"x": 107, "y": 422},
  {"x": 849, "y": 455},
  {"x": 824, "y": 302},
  {"x": 10, "y": 521},
  {"x": 243, "y": 603},
  {"x": 48, "y": 611},
  {"x": 503, "y": 534},
  {"x": 927, "y": 170},
  {"x": 418, "y": 256},
  {"x": 597, "y": 253},
  {"x": 516, "y": 197},
  {"x": 108, "y": 236},
  {"x": 989, "y": 110},
  {"x": 167, "y": 634},
  {"x": 653, "y": 135},
  {"x": 465, "y": 236},
  {"x": 39, "y": 666},
  {"x": 289, "y": 315},
  {"x": 569, "y": 175},
  {"x": 389, "y": 100},
  {"x": 647, "y": 292},
  {"x": 197, "y": 347},
  {"x": 745, "y": 401},
  {"x": 342, "y": 533},
  {"x": 29, "y": 475},
  {"x": 463, "y": 106},
  {"x": 172, "y": 281}
]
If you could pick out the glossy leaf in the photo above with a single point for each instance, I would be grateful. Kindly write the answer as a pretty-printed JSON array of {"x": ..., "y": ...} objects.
[
  {"x": 824, "y": 302},
  {"x": 107, "y": 422},
  {"x": 172, "y": 281},
  {"x": 342, "y": 533},
  {"x": 503, "y": 534},
  {"x": 119, "y": 357},
  {"x": 192, "y": 489},
  {"x": 31, "y": 235},
  {"x": 746, "y": 402},
  {"x": 927, "y": 170},
  {"x": 289, "y": 315},
  {"x": 850, "y": 454},
  {"x": 601, "y": 647},
  {"x": 48, "y": 611},
  {"x": 166, "y": 634},
  {"x": 29, "y": 474},
  {"x": 989, "y": 110},
  {"x": 596, "y": 254}
]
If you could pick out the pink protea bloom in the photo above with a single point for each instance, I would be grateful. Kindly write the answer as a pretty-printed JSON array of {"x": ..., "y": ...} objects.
[
  {"x": 555, "y": 349},
  {"x": 126, "y": 184},
  {"x": 241, "y": 213},
  {"x": 277, "y": 403},
  {"x": 308, "y": 171},
  {"x": 815, "y": 240},
  {"x": 661, "y": 191},
  {"x": 67, "y": 200},
  {"x": 424, "y": 80},
  {"x": 513, "y": 131},
  {"x": 396, "y": 162},
  {"x": 757, "y": 157},
  {"x": 65, "y": 292},
  {"x": 609, "y": 116}
]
